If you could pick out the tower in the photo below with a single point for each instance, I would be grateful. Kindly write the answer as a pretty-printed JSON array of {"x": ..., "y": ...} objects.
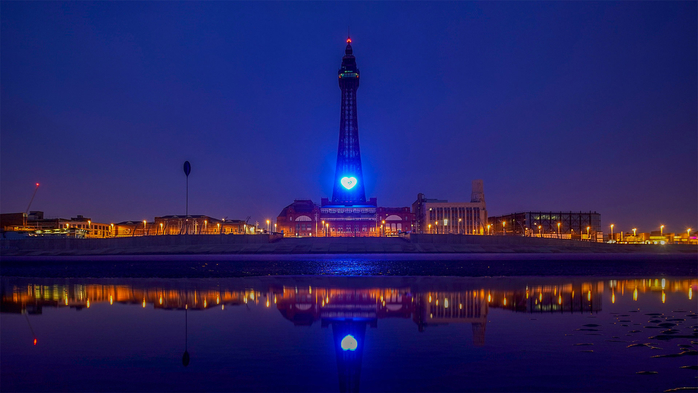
[{"x": 348, "y": 186}]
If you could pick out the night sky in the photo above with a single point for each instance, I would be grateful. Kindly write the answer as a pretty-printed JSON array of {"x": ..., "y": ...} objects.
[{"x": 555, "y": 105}]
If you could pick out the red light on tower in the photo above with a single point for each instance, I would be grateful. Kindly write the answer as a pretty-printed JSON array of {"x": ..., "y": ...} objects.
[
  {"x": 37, "y": 184},
  {"x": 34, "y": 341},
  {"x": 348, "y": 40}
]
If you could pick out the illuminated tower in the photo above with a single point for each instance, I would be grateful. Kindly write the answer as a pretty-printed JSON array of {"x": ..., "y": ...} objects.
[{"x": 348, "y": 177}]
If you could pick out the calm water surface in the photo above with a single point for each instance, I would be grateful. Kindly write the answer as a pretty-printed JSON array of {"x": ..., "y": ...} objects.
[{"x": 285, "y": 333}]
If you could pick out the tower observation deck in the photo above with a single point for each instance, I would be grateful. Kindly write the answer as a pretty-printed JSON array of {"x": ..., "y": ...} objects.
[{"x": 349, "y": 181}]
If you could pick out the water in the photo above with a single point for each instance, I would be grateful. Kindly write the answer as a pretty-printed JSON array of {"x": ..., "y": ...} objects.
[{"x": 284, "y": 333}]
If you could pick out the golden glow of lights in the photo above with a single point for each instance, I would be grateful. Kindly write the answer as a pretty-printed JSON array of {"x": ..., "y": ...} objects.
[
  {"x": 143, "y": 302},
  {"x": 635, "y": 294},
  {"x": 527, "y": 294},
  {"x": 445, "y": 303},
  {"x": 663, "y": 297},
  {"x": 559, "y": 299},
  {"x": 66, "y": 300},
  {"x": 88, "y": 303},
  {"x": 572, "y": 294},
  {"x": 690, "y": 293}
]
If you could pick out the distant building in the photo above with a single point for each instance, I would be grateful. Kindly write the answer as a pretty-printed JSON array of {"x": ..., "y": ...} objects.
[
  {"x": 573, "y": 225},
  {"x": 441, "y": 216},
  {"x": 36, "y": 224},
  {"x": 183, "y": 225}
]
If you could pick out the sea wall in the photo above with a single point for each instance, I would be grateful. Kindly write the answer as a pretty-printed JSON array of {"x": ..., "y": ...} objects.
[{"x": 274, "y": 244}]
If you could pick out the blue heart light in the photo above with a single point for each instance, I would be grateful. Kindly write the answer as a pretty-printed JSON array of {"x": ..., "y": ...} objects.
[{"x": 348, "y": 182}]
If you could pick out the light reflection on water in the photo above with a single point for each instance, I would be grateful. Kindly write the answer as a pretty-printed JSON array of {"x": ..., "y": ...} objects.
[{"x": 513, "y": 324}]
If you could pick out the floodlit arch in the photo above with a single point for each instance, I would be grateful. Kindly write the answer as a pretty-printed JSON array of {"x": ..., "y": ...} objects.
[
  {"x": 393, "y": 217},
  {"x": 303, "y": 218}
]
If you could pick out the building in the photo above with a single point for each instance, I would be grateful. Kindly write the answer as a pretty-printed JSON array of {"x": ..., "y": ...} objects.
[
  {"x": 441, "y": 216},
  {"x": 183, "y": 225},
  {"x": 564, "y": 225},
  {"x": 348, "y": 212},
  {"x": 36, "y": 224}
]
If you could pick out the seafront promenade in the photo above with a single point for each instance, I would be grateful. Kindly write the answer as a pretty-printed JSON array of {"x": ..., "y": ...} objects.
[{"x": 275, "y": 244}]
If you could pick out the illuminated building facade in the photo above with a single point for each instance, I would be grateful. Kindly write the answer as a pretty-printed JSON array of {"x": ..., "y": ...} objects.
[
  {"x": 545, "y": 224},
  {"x": 443, "y": 217},
  {"x": 181, "y": 225},
  {"x": 36, "y": 224}
]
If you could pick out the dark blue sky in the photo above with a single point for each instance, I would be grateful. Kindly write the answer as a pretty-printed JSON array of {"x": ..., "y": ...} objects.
[{"x": 555, "y": 105}]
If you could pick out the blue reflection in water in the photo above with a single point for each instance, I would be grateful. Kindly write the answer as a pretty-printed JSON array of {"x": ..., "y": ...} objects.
[{"x": 266, "y": 331}]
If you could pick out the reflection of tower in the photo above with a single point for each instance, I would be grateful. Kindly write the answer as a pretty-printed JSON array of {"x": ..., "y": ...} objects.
[
  {"x": 348, "y": 179},
  {"x": 349, "y": 347}
]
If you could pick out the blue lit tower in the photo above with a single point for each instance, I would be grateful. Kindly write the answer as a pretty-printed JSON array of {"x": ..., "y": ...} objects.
[{"x": 348, "y": 178}]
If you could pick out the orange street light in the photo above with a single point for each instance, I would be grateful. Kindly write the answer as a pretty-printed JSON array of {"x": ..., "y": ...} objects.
[
  {"x": 430, "y": 228},
  {"x": 540, "y": 231},
  {"x": 634, "y": 231},
  {"x": 219, "y": 227},
  {"x": 504, "y": 227},
  {"x": 488, "y": 229},
  {"x": 268, "y": 226},
  {"x": 558, "y": 229},
  {"x": 612, "y": 230},
  {"x": 661, "y": 230}
]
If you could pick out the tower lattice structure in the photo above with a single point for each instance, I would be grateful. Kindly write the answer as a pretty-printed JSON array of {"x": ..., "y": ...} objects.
[{"x": 349, "y": 181}]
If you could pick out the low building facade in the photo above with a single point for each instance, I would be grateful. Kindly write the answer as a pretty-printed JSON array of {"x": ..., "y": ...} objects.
[{"x": 443, "y": 217}]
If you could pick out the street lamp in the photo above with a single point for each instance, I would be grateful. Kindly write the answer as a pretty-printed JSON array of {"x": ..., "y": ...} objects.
[
  {"x": 661, "y": 230},
  {"x": 268, "y": 227},
  {"x": 688, "y": 232},
  {"x": 488, "y": 229},
  {"x": 588, "y": 233},
  {"x": 327, "y": 229},
  {"x": 504, "y": 227},
  {"x": 430, "y": 229},
  {"x": 383, "y": 230},
  {"x": 219, "y": 228},
  {"x": 634, "y": 231},
  {"x": 540, "y": 231},
  {"x": 161, "y": 229},
  {"x": 459, "y": 221},
  {"x": 611, "y": 231},
  {"x": 558, "y": 230},
  {"x": 436, "y": 226}
]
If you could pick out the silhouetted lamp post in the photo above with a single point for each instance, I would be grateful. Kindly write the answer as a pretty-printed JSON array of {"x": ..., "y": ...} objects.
[{"x": 187, "y": 171}]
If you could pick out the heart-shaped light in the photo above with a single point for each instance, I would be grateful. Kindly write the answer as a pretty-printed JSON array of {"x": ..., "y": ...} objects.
[{"x": 348, "y": 182}]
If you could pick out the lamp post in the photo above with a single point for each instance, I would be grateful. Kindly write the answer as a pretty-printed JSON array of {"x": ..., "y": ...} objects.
[
  {"x": 611, "y": 231},
  {"x": 558, "y": 230},
  {"x": 219, "y": 228},
  {"x": 661, "y": 230},
  {"x": 275, "y": 227},
  {"x": 459, "y": 221},
  {"x": 161, "y": 229},
  {"x": 688, "y": 233},
  {"x": 588, "y": 233},
  {"x": 268, "y": 227},
  {"x": 323, "y": 228},
  {"x": 634, "y": 231},
  {"x": 436, "y": 227},
  {"x": 327, "y": 229},
  {"x": 488, "y": 229},
  {"x": 540, "y": 231},
  {"x": 430, "y": 229},
  {"x": 504, "y": 227},
  {"x": 382, "y": 227}
]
